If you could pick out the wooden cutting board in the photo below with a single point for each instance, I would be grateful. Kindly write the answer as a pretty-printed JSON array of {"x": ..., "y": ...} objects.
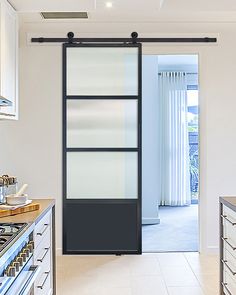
[{"x": 28, "y": 208}]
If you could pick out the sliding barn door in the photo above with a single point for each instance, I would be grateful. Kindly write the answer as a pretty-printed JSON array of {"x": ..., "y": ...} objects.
[{"x": 101, "y": 148}]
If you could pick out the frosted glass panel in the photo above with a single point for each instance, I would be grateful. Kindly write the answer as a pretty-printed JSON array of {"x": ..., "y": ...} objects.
[
  {"x": 102, "y": 123},
  {"x": 101, "y": 175},
  {"x": 102, "y": 71}
]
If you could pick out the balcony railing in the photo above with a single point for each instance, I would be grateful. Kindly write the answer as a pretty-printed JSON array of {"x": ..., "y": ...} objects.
[{"x": 194, "y": 164}]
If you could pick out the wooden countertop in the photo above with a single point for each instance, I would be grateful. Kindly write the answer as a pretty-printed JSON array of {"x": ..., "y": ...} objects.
[
  {"x": 229, "y": 202},
  {"x": 33, "y": 216}
]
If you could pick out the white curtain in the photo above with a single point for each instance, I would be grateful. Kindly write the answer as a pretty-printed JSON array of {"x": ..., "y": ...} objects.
[{"x": 174, "y": 143}]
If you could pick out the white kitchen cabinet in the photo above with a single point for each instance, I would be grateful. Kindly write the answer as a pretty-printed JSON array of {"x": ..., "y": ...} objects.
[
  {"x": 8, "y": 60},
  {"x": 43, "y": 255},
  {"x": 228, "y": 246}
]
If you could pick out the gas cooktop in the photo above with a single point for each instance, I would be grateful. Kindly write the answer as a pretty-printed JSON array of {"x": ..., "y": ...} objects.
[{"x": 8, "y": 231}]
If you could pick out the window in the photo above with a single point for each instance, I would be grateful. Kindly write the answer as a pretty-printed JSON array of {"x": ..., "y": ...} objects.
[{"x": 192, "y": 97}]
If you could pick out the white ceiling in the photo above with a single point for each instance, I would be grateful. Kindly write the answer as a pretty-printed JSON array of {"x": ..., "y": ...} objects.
[
  {"x": 52, "y": 5},
  {"x": 130, "y": 10},
  {"x": 84, "y": 5},
  {"x": 199, "y": 5}
]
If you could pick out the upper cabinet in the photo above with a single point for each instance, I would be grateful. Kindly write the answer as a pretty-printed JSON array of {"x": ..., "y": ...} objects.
[{"x": 8, "y": 60}]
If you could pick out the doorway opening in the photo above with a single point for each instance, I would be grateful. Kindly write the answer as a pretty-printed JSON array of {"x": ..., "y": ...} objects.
[{"x": 170, "y": 202}]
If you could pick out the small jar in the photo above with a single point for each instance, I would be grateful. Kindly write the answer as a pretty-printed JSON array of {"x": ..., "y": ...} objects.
[{"x": 3, "y": 194}]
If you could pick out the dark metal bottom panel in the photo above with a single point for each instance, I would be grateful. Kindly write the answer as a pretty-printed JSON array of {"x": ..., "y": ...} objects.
[{"x": 93, "y": 228}]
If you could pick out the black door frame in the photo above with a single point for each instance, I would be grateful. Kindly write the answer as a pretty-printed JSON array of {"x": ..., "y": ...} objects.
[{"x": 138, "y": 201}]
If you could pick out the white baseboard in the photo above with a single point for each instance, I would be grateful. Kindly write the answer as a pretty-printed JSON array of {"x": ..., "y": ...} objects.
[
  {"x": 148, "y": 220},
  {"x": 212, "y": 250},
  {"x": 59, "y": 252}
]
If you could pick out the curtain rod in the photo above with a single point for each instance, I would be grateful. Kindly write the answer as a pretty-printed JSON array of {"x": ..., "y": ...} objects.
[{"x": 133, "y": 39}]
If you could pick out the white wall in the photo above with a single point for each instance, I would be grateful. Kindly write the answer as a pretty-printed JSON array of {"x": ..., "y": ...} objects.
[
  {"x": 150, "y": 163},
  {"x": 31, "y": 148}
]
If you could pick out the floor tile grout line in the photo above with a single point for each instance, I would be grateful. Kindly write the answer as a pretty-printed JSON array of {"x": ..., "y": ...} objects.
[
  {"x": 203, "y": 291},
  {"x": 162, "y": 275}
]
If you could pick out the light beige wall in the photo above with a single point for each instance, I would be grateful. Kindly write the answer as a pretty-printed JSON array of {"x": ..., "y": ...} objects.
[{"x": 31, "y": 148}]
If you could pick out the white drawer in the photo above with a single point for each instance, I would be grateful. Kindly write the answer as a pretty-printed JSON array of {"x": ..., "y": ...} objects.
[
  {"x": 229, "y": 282},
  {"x": 226, "y": 291},
  {"x": 44, "y": 279},
  {"x": 230, "y": 248},
  {"x": 229, "y": 225},
  {"x": 229, "y": 213},
  {"x": 44, "y": 243},
  {"x": 41, "y": 229},
  {"x": 43, "y": 284},
  {"x": 44, "y": 259},
  {"x": 229, "y": 262}
]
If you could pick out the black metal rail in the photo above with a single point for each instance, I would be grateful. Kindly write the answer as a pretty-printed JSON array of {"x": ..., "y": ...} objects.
[{"x": 133, "y": 39}]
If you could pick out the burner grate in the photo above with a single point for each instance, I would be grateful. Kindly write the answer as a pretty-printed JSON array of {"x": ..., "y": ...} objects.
[{"x": 8, "y": 231}]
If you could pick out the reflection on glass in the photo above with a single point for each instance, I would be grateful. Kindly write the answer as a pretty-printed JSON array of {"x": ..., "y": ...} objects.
[
  {"x": 102, "y": 123},
  {"x": 101, "y": 175},
  {"x": 102, "y": 71}
]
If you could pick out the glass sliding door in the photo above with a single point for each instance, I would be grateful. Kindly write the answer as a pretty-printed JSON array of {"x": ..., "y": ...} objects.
[
  {"x": 102, "y": 71},
  {"x": 102, "y": 123},
  {"x": 101, "y": 148}
]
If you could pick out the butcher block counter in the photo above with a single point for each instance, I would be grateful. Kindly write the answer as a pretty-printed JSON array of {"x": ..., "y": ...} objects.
[
  {"x": 33, "y": 216},
  {"x": 43, "y": 224}
]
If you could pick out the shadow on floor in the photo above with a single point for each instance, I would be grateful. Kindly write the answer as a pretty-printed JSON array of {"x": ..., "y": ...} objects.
[{"x": 177, "y": 231}]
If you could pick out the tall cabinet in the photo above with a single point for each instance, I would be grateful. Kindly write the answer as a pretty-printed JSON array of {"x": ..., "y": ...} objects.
[
  {"x": 8, "y": 60},
  {"x": 228, "y": 246}
]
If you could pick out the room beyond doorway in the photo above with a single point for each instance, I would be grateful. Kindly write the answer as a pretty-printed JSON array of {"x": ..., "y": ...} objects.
[{"x": 173, "y": 81}]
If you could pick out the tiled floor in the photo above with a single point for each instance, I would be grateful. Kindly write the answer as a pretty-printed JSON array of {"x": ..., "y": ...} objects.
[{"x": 148, "y": 274}]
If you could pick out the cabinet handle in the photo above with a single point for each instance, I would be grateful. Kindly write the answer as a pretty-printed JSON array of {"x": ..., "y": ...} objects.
[
  {"x": 230, "y": 269},
  {"x": 225, "y": 286},
  {"x": 44, "y": 281},
  {"x": 45, "y": 253},
  {"x": 43, "y": 231},
  {"x": 227, "y": 219},
  {"x": 226, "y": 240}
]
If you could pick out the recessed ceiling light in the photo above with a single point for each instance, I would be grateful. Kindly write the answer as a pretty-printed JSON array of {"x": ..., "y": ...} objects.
[{"x": 108, "y": 4}]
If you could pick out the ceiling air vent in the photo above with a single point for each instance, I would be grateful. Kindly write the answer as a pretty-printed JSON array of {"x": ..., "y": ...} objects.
[{"x": 64, "y": 15}]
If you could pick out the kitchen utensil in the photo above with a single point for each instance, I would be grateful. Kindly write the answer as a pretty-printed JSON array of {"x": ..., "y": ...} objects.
[
  {"x": 16, "y": 200},
  {"x": 21, "y": 191}
]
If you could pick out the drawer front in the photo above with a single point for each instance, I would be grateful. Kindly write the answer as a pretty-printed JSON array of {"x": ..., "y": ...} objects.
[
  {"x": 226, "y": 290},
  {"x": 229, "y": 262},
  {"x": 43, "y": 284},
  {"x": 229, "y": 225},
  {"x": 41, "y": 228},
  {"x": 229, "y": 213},
  {"x": 44, "y": 243},
  {"x": 230, "y": 247},
  {"x": 229, "y": 282},
  {"x": 44, "y": 259}
]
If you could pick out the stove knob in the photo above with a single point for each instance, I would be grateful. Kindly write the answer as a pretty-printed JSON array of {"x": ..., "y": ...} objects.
[
  {"x": 26, "y": 251},
  {"x": 11, "y": 271},
  {"x": 23, "y": 255},
  {"x": 30, "y": 247},
  {"x": 31, "y": 243},
  {"x": 16, "y": 265},
  {"x": 20, "y": 260}
]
